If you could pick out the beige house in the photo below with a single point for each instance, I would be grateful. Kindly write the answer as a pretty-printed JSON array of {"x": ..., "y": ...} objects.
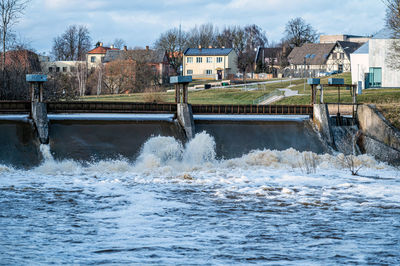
[
  {"x": 96, "y": 56},
  {"x": 210, "y": 63},
  {"x": 343, "y": 38},
  {"x": 60, "y": 66},
  {"x": 319, "y": 58}
]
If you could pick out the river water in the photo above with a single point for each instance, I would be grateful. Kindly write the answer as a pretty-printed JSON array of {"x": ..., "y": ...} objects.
[{"x": 178, "y": 205}]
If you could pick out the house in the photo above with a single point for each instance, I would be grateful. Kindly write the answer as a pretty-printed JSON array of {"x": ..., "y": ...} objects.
[
  {"x": 271, "y": 60},
  {"x": 322, "y": 57},
  {"x": 50, "y": 67},
  {"x": 96, "y": 56},
  {"x": 371, "y": 65},
  {"x": 339, "y": 57},
  {"x": 22, "y": 60},
  {"x": 210, "y": 63},
  {"x": 158, "y": 60}
]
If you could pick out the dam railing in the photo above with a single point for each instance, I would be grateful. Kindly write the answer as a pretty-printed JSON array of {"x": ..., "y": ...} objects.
[{"x": 23, "y": 107}]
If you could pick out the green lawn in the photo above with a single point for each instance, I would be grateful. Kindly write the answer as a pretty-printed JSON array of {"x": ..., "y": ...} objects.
[{"x": 211, "y": 96}]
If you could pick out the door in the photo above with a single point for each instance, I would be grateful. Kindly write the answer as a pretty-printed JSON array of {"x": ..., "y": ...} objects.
[
  {"x": 375, "y": 77},
  {"x": 219, "y": 72}
]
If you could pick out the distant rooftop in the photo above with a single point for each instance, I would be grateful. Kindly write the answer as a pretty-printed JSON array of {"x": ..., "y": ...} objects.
[
  {"x": 364, "y": 49},
  {"x": 207, "y": 51},
  {"x": 101, "y": 50},
  {"x": 385, "y": 33}
]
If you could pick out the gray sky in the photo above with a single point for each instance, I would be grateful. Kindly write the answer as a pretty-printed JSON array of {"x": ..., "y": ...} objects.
[{"x": 139, "y": 22}]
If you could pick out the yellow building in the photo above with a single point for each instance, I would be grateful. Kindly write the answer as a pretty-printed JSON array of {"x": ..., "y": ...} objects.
[{"x": 210, "y": 63}]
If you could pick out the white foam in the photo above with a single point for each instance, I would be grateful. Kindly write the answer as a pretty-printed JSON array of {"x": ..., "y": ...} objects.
[{"x": 266, "y": 173}]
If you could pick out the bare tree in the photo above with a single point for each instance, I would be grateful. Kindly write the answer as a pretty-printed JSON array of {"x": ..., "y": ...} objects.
[
  {"x": 81, "y": 77},
  {"x": 298, "y": 32},
  {"x": 10, "y": 10},
  {"x": 73, "y": 44},
  {"x": 226, "y": 37},
  {"x": 246, "y": 41},
  {"x": 174, "y": 42},
  {"x": 203, "y": 35},
  {"x": 393, "y": 22},
  {"x": 119, "y": 43}
]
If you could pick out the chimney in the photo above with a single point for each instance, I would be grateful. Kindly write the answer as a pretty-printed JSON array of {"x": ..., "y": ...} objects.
[
  {"x": 210, "y": 47},
  {"x": 223, "y": 47},
  {"x": 200, "y": 47},
  {"x": 112, "y": 46},
  {"x": 147, "y": 48},
  {"x": 125, "y": 48},
  {"x": 101, "y": 44}
]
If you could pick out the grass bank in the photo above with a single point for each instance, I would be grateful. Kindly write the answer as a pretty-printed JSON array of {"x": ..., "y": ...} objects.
[{"x": 211, "y": 96}]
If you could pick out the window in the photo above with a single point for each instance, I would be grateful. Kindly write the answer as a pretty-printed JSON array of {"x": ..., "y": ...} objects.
[
  {"x": 219, "y": 59},
  {"x": 208, "y": 72},
  {"x": 93, "y": 59},
  {"x": 342, "y": 56},
  {"x": 64, "y": 69},
  {"x": 189, "y": 60},
  {"x": 209, "y": 60},
  {"x": 375, "y": 77},
  {"x": 50, "y": 69},
  {"x": 189, "y": 72},
  {"x": 57, "y": 69},
  {"x": 73, "y": 69},
  {"x": 199, "y": 59}
]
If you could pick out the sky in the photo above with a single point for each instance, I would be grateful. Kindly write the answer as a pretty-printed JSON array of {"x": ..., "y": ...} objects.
[{"x": 140, "y": 22}]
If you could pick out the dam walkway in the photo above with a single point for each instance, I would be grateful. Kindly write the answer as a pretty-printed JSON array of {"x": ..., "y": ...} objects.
[{"x": 24, "y": 107}]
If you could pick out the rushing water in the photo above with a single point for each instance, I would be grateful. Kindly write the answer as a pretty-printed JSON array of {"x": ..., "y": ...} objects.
[{"x": 178, "y": 204}]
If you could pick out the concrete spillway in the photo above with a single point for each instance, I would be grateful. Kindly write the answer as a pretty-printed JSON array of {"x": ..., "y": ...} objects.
[{"x": 108, "y": 137}]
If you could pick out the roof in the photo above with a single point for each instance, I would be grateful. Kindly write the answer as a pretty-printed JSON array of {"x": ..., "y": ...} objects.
[
  {"x": 207, "y": 51},
  {"x": 23, "y": 59},
  {"x": 315, "y": 53},
  {"x": 385, "y": 33},
  {"x": 349, "y": 47},
  {"x": 112, "y": 55},
  {"x": 269, "y": 52},
  {"x": 150, "y": 56},
  {"x": 101, "y": 50},
  {"x": 364, "y": 49}
]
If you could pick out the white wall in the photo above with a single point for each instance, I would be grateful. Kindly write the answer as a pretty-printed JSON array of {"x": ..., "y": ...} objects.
[
  {"x": 67, "y": 65},
  {"x": 378, "y": 53},
  {"x": 359, "y": 66}
]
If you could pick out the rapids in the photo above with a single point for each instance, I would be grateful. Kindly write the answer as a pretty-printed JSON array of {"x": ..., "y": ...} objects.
[{"x": 178, "y": 203}]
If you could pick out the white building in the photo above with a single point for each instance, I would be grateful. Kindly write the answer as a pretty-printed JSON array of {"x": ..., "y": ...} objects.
[{"x": 369, "y": 64}]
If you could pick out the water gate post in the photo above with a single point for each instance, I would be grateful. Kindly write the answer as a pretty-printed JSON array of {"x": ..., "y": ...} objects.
[
  {"x": 184, "y": 110},
  {"x": 38, "y": 107}
]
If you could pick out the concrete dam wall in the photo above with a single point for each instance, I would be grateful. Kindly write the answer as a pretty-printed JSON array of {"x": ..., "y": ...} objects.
[{"x": 97, "y": 138}]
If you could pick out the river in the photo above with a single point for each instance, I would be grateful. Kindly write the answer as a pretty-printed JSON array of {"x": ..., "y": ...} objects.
[{"x": 181, "y": 204}]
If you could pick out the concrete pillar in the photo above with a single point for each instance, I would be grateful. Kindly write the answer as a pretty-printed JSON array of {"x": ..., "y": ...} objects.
[
  {"x": 39, "y": 116},
  {"x": 38, "y": 107},
  {"x": 322, "y": 121},
  {"x": 185, "y": 118}
]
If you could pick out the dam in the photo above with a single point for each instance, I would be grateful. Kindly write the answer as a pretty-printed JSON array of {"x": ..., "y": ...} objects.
[
  {"x": 93, "y": 131},
  {"x": 251, "y": 184},
  {"x": 85, "y": 137}
]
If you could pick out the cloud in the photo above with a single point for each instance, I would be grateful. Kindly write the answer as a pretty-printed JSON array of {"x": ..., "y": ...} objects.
[{"x": 139, "y": 22}]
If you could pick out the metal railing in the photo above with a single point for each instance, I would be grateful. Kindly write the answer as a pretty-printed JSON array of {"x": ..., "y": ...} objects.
[
  {"x": 265, "y": 97},
  {"x": 157, "y": 108}
]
